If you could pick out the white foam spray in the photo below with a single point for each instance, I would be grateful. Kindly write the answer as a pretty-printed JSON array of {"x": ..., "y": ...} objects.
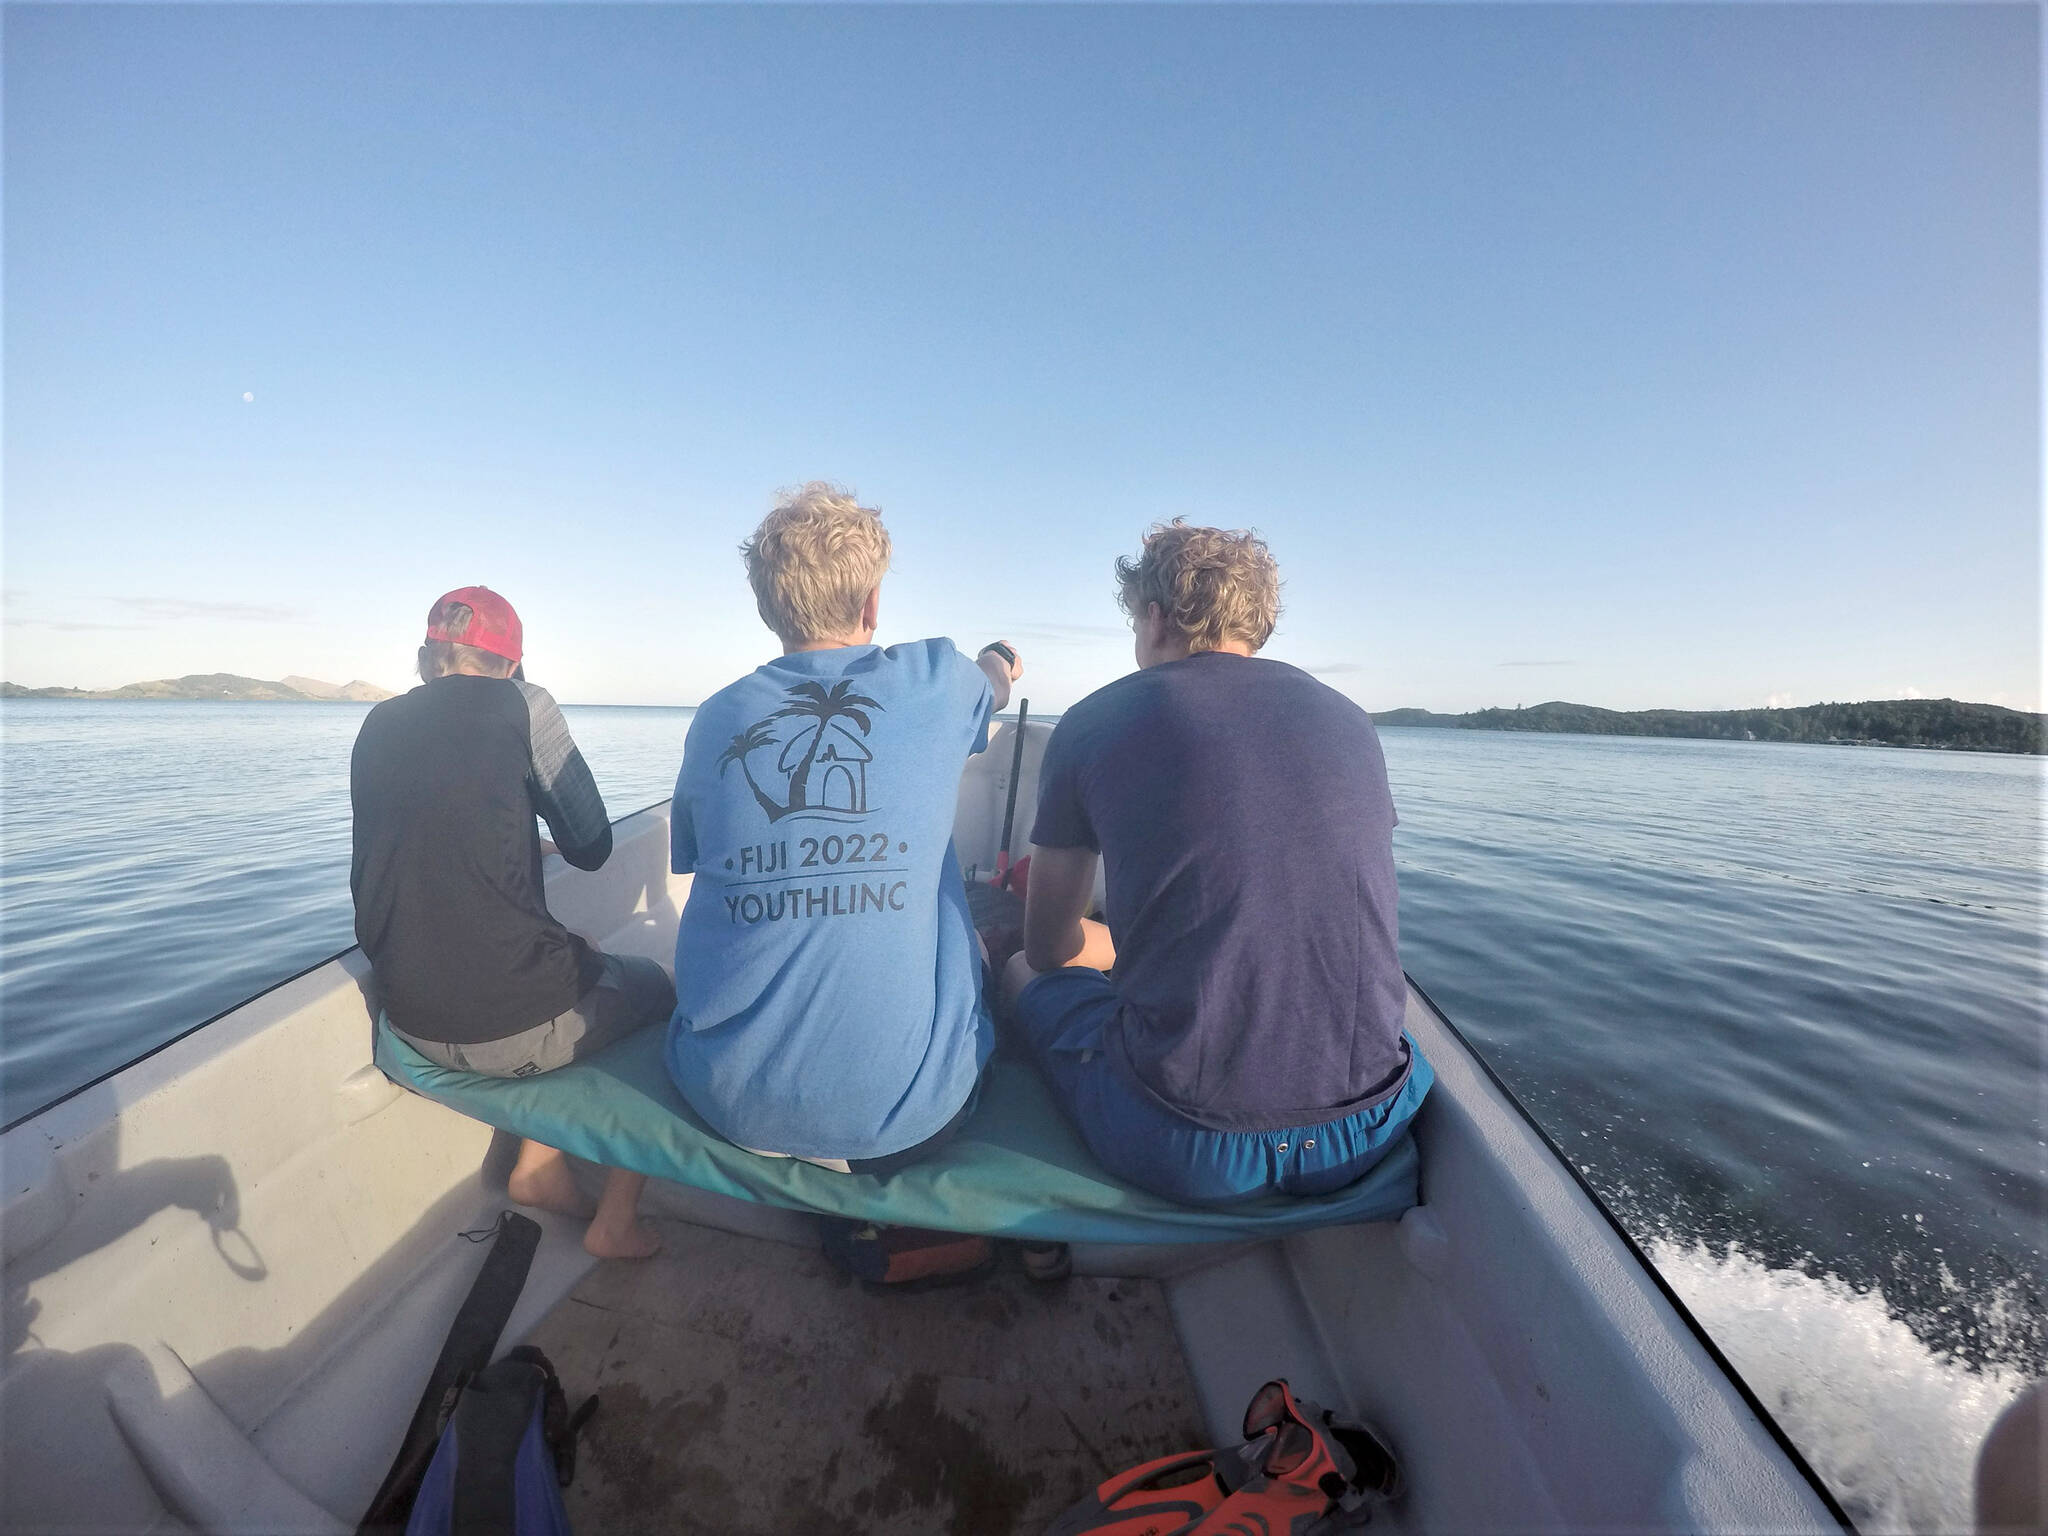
[{"x": 1891, "y": 1424}]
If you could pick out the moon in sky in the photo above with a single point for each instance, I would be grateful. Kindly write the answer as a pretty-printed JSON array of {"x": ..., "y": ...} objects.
[{"x": 247, "y": 398}]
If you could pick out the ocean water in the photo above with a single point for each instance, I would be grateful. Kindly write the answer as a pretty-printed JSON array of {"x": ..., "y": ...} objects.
[{"x": 1782, "y": 1005}]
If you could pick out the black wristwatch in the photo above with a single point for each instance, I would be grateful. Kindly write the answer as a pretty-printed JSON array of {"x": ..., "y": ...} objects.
[{"x": 1009, "y": 656}]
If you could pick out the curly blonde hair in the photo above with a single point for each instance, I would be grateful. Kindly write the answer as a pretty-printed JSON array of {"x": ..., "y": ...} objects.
[
  {"x": 813, "y": 561},
  {"x": 1214, "y": 585}
]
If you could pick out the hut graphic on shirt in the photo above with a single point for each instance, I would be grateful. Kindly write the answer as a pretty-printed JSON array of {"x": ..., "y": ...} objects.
[
  {"x": 838, "y": 778},
  {"x": 824, "y": 762}
]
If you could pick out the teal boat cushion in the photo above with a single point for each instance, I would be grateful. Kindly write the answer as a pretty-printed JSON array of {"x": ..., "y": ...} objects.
[{"x": 1015, "y": 1170}]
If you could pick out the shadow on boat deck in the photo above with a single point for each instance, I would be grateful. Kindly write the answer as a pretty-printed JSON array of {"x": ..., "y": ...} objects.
[{"x": 748, "y": 1387}]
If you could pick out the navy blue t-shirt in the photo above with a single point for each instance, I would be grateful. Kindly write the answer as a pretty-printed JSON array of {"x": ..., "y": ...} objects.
[{"x": 1246, "y": 832}]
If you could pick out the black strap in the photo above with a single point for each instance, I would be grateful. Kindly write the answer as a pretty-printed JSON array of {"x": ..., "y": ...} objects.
[
  {"x": 565, "y": 1447},
  {"x": 1016, "y": 772},
  {"x": 467, "y": 1351},
  {"x": 559, "y": 1427},
  {"x": 491, "y": 1423}
]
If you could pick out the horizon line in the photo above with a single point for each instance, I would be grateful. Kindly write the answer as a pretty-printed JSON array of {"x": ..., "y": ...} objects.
[{"x": 1397, "y": 709}]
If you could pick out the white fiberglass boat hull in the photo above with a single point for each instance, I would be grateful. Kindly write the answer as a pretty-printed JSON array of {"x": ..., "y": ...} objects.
[{"x": 228, "y": 1269}]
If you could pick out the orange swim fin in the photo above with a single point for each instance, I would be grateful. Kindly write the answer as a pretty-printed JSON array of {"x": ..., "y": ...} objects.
[{"x": 1302, "y": 1471}]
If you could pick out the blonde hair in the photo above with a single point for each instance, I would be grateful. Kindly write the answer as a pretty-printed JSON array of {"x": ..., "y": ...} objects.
[
  {"x": 1214, "y": 585},
  {"x": 813, "y": 561}
]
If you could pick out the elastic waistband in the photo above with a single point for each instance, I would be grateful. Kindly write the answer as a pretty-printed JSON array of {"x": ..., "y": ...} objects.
[{"x": 1389, "y": 1087}]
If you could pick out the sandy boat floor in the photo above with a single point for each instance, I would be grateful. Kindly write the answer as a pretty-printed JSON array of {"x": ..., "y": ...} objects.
[{"x": 748, "y": 1387}]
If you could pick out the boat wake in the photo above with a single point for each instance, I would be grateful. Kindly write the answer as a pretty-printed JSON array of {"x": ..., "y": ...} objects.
[{"x": 1890, "y": 1422}]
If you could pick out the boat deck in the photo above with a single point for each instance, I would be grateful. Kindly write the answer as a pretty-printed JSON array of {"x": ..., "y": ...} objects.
[{"x": 747, "y": 1386}]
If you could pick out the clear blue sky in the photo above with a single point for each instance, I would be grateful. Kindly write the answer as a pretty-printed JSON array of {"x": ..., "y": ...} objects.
[{"x": 1629, "y": 355}]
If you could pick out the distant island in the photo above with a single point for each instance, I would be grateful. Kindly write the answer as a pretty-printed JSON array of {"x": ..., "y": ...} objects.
[
  {"x": 1884, "y": 723},
  {"x": 216, "y": 688}
]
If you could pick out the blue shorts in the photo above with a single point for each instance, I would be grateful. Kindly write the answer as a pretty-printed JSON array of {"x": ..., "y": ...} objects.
[{"x": 1064, "y": 1018}]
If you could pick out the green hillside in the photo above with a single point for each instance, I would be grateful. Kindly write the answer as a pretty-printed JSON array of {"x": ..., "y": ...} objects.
[
  {"x": 1887, "y": 723},
  {"x": 210, "y": 687}
]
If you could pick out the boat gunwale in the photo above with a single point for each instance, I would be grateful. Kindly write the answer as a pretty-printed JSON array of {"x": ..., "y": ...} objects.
[{"x": 1643, "y": 1261}]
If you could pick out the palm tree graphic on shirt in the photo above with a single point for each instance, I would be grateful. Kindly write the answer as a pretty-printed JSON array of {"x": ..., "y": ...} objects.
[
  {"x": 759, "y": 734},
  {"x": 824, "y": 739}
]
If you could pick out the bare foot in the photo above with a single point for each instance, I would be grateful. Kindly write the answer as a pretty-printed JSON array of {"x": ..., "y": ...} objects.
[
  {"x": 630, "y": 1240},
  {"x": 548, "y": 1184}
]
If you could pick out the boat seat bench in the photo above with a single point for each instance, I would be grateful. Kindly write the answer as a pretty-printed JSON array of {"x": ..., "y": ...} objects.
[{"x": 1017, "y": 1169}]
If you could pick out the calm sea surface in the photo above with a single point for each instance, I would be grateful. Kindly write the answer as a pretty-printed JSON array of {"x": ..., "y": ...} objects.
[{"x": 1782, "y": 1004}]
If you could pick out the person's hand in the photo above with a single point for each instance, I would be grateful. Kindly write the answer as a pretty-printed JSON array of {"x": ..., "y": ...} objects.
[{"x": 1013, "y": 668}]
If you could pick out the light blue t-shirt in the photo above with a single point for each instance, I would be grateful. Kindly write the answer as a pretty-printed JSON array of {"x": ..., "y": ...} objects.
[{"x": 828, "y": 987}]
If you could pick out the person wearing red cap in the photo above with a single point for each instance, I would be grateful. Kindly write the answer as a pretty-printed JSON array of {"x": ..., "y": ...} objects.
[{"x": 474, "y": 972}]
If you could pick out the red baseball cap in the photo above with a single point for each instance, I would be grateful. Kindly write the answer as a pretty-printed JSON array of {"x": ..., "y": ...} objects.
[{"x": 493, "y": 626}]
